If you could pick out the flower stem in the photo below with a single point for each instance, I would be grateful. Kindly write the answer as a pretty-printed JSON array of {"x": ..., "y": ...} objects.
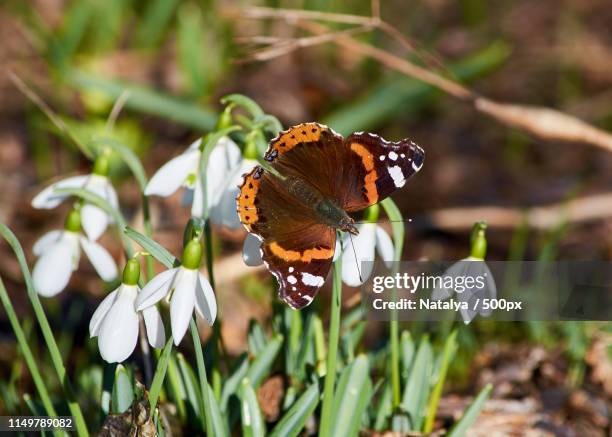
[
  {"x": 205, "y": 404},
  {"x": 332, "y": 351},
  {"x": 26, "y": 351},
  {"x": 56, "y": 357}
]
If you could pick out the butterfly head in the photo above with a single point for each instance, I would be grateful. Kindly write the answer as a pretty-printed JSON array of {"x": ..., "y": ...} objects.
[{"x": 347, "y": 224}]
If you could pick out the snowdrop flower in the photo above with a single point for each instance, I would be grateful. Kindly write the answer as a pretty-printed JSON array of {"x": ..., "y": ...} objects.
[
  {"x": 223, "y": 175},
  {"x": 372, "y": 238},
  {"x": 94, "y": 219},
  {"x": 59, "y": 253},
  {"x": 186, "y": 288},
  {"x": 115, "y": 321},
  {"x": 474, "y": 266},
  {"x": 251, "y": 251}
]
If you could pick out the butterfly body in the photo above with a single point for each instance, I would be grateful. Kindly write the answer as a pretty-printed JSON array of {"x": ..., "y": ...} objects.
[{"x": 318, "y": 179}]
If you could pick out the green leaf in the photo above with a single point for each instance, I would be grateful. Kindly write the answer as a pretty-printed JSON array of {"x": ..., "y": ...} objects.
[
  {"x": 127, "y": 156},
  {"x": 156, "y": 250},
  {"x": 246, "y": 102},
  {"x": 146, "y": 100},
  {"x": 407, "y": 353},
  {"x": 264, "y": 360},
  {"x": 292, "y": 423},
  {"x": 154, "y": 22},
  {"x": 190, "y": 383},
  {"x": 351, "y": 398},
  {"x": 384, "y": 409},
  {"x": 252, "y": 421},
  {"x": 123, "y": 391},
  {"x": 450, "y": 346},
  {"x": 256, "y": 338},
  {"x": 233, "y": 382},
  {"x": 218, "y": 423},
  {"x": 417, "y": 387},
  {"x": 160, "y": 374},
  {"x": 471, "y": 414}
]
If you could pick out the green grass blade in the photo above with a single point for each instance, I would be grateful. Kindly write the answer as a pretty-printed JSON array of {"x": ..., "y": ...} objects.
[
  {"x": 252, "y": 421},
  {"x": 450, "y": 346},
  {"x": 471, "y": 414},
  {"x": 292, "y": 423},
  {"x": 262, "y": 364},
  {"x": 417, "y": 387},
  {"x": 160, "y": 374},
  {"x": 156, "y": 250},
  {"x": 232, "y": 383},
  {"x": 351, "y": 398}
]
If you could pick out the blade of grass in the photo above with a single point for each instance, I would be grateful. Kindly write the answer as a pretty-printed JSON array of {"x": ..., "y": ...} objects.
[
  {"x": 264, "y": 360},
  {"x": 56, "y": 357},
  {"x": 292, "y": 423},
  {"x": 450, "y": 346},
  {"x": 417, "y": 386},
  {"x": 332, "y": 350},
  {"x": 471, "y": 414},
  {"x": 252, "y": 420},
  {"x": 160, "y": 374},
  {"x": 156, "y": 250}
]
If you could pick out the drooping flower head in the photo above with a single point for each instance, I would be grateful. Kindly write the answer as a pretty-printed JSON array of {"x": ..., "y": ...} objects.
[
  {"x": 186, "y": 288},
  {"x": 115, "y": 321},
  {"x": 94, "y": 219},
  {"x": 358, "y": 255},
  {"x": 59, "y": 252},
  {"x": 473, "y": 266}
]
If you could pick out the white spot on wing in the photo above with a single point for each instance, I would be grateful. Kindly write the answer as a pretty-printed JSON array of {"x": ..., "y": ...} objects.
[
  {"x": 382, "y": 157},
  {"x": 392, "y": 156},
  {"x": 397, "y": 175},
  {"x": 312, "y": 280},
  {"x": 291, "y": 279},
  {"x": 291, "y": 269}
]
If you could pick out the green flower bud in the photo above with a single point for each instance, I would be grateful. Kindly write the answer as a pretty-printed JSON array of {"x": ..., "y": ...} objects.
[
  {"x": 250, "y": 147},
  {"x": 478, "y": 241},
  {"x": 73, "y": 221},
  {"x": 372, "y": 213},
  {"x": 131, "y": 272},
  {"x": 193, "y": 230},
  {"x": 225, "y": 119},
  {"x": 192, "y": 255},
  {"x": 101, "y": 165}
]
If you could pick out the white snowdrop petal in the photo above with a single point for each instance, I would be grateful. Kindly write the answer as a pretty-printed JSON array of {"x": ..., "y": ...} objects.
[
  {"x": 182, "y": 303},
  {"x": 53, "y": 269},
  {"x": 118, "y": 333},
  {"x": 172, "y": 174},
  {"x": 100, "y": 313},
  {"x": 251, "y": 251},
  {"x": 443, "y": 293},
  {"x": 46, "y": 241},
  {"x": 155, "y": 327},
  {"x": 196, "y": 207},
  {"x": 94, "y": 221},
  {"x": 384, "y": 246},
  {"x": 224, "y": 211},
  {"x": 156, "y": 289},
  {"x": 48, "y": 198},
  {"x": 224, "y": 159},
  {"x": 362, "y": 245},
  {"x": 100, "y": 259},
  {"x": 206, "y": 302},
  {"x": 111, "y": 196}
]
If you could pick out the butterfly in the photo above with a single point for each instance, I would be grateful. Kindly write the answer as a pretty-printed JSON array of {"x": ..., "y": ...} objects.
[{"x": 314, "y": 180}]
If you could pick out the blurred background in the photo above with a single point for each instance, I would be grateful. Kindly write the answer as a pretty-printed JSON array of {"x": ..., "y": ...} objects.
[{"x": 177, "y": 58}]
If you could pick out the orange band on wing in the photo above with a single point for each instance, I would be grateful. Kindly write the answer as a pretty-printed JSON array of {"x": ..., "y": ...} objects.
[
  {"x": 247, "y": 211},
  {"x": 306, "y": 256},
  {"x": 302, "y": 133},
  {"x": 367, "y": 159}
]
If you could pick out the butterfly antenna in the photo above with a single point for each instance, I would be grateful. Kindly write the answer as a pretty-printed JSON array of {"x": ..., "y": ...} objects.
[
  {"x": 388, "y": 221},
  {"x": 356, "y": 261}
]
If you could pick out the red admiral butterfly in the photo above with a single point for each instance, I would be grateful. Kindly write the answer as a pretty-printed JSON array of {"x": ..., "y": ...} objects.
[{"x": 317, "y": 178}]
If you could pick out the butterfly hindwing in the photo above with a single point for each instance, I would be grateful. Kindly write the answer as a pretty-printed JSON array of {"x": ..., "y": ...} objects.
[{"x": 295, "y": 248}]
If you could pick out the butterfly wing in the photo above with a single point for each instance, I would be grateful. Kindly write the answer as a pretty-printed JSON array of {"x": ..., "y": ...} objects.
[
  {"x": 296, "y": 249},
  {"x": 355, "y": 172}
]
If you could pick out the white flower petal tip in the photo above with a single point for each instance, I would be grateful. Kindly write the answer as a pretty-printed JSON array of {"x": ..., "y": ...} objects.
[
  {"x": 206, "y": 302},
  {"x": 251, "y": 251},
  {"x": 182, "y": 303},
  {"x": 54, "y": 268},
  {"x": 356, "y": 269},
  {"x": 155, "y": 327},
  {"x": 49, "y": 199},
  {"x": 102, "y": 261},
  {"x": 384, "y": 246},
  {"x": 46, "y": 241},
  {"x": 173, "y": 174},
  {"x": 156, "y": 289},
  {"x": 100, "y": 313},
  {"x": 118, "y": 332},
  {"x": 94, "y": 221}
]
